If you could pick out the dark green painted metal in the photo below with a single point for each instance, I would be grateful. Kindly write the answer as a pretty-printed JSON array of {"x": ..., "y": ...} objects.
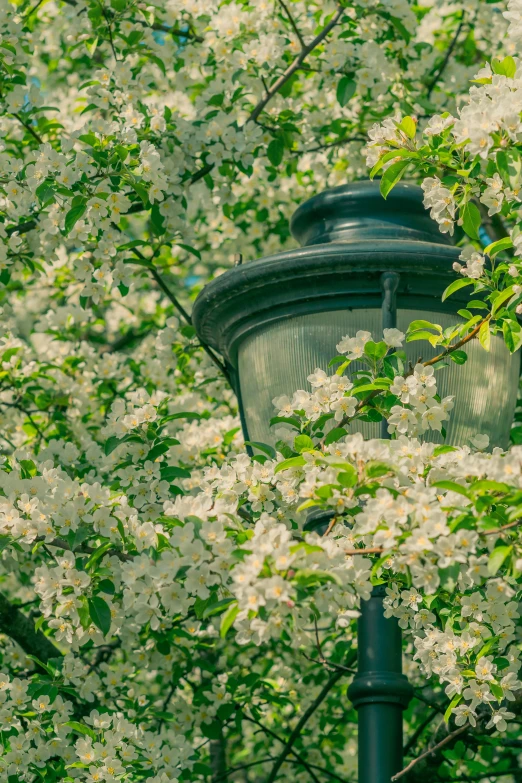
[
  {"x": 379, "y": 692},
  {"x": 352, "y": 237}
]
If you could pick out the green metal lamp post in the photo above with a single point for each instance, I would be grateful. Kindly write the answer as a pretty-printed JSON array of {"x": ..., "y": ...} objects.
[{"x": 365, "y": 263}]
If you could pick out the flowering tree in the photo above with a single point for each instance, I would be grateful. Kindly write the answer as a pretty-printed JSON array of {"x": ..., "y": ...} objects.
[{"x": 165, "y": 613}]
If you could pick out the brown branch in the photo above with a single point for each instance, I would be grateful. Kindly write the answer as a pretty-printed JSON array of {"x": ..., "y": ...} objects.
[
  {"x": 501, "y": 529},
  {"x": 295, "y": 65},
  {"x": 345, "y": 140},
  {"x": 179, "y": 307},
  {"x": 293, "y": 24},
  {"x": 300, "y": 725},
  {"x": 444, "y": 63},
  {"x": 429, "y": 752},
  {"x": 271, "y": 733},
  {"x": 459, "y": 344},
  {"x": 374, "y": 550},
  {"x": 109, "y": 29},
  {"x": 17, "y": 626},
  {"x": 217, "y": 753},
  {"x": 28, "y": 128},
  {"x": 418, "y": 731}
]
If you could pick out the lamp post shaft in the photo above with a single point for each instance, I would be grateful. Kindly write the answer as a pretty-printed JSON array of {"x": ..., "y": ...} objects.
[{"x": 380, "y": 691}]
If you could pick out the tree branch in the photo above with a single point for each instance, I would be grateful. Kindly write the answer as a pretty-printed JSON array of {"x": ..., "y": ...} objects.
[
  {"x": 271, "y": 733},
  {"x": 28, "y": 128},
  {"x": 181, "y": 310},
  {"x": 17, "y": 626},
  {"x": 295, "y": 65},
  {"x": 446, "y": 60},
  {"x": 218, "y": 760},
  {"x": 427, "y": 753},
  {"x": 292, "y": 22},
  {"x": 300, "y": 725},
  {"x": 338, "y": 142}
]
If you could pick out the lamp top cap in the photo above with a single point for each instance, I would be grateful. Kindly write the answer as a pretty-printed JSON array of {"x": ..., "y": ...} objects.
[{"x": 345, "y": 213}]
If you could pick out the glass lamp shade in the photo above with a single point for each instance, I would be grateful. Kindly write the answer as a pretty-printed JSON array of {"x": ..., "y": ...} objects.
[{"x": 275, "y": 320}]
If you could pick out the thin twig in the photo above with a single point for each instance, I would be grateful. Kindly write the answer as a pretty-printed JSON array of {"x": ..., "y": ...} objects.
[
  {"x": 29, "y": 128},
  {"x": 32, "y": 10},
  {"x": 295, "y": 65},
  {"x": 109, "y": 29},
  {"x": 446, "y": 60},
  {"x": 301, "y": 723},
  {"x": 373, "y": 550},
  {"x": 418, "y": 731},
  {"x": 336, "y": 143},
  {"x": 429, "y": 752},
  {"x": 500, "y": 529},
  {"x": 271, "y": 733},
  {"x": 292, "y": 22},
  {"x": 179, "y": 307}
]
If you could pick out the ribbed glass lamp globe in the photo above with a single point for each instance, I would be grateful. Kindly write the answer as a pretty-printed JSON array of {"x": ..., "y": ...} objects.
[{"x": 276, "y": 319}]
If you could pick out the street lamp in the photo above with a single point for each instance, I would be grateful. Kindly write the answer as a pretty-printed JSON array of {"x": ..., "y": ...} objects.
[{"x": 370, "y": 264}]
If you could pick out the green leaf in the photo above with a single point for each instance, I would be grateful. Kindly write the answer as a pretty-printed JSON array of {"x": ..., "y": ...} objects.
[
  {"x": 185, "y": 415},
  {"x": 345, "y": 90},
  {"x": 291, "y": 420},
  {"x": 98, "y": 555},
  {"x": 408, "y": 126},
  {"x": 456, "y": 285},
  {"x": 451, "y": 486},
  {"x": 190, "y": 249},
  {"x": 393, "y": 155},
  {"x": 484, "y": 336},
  {"x": 218, "y": 607},
  {"x": 459, "y": 357},
  {"x": 275, "y": 151},
  {"x": 100, "y": 614},
  {"x": 420, "y": 324},
  {"x": 142, "y": 192},
  {"x": 303, "y": 443},
  {"x": 496, "y": 247},
  {"x": 347, "y": 479},
  {"x": 497, "y": 558},
  {"x": 334, "y": 435},
  {"x": 113, "y": 442},
  {"x": 392, "y": 176},
  {"x": 91, "y": 45},
  {"x": 375, "y": 351},
  {"x": 512, "y": 335},
  {"x": 161, "y": 448},
  {"x": 470, "y": 216},
  {"x": 453, "y": 703},
  {"x": 269, "y": 450},
  {"x": 45, "y": 192},
  {"x": 80, "y": 728},
  {"x": 172, "y": 472},
  {"x": 506, "y": 67},
  {"x": 502, "y": 297},
  {"x": 376, "y": 469},
  {"x": 228, "y": 620},
  {"x": 311, "y": 576},
  {"x": 292, "y": 462},
  {"x": 497, "y": 691},
  {"x": 73, "y": 216}
]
